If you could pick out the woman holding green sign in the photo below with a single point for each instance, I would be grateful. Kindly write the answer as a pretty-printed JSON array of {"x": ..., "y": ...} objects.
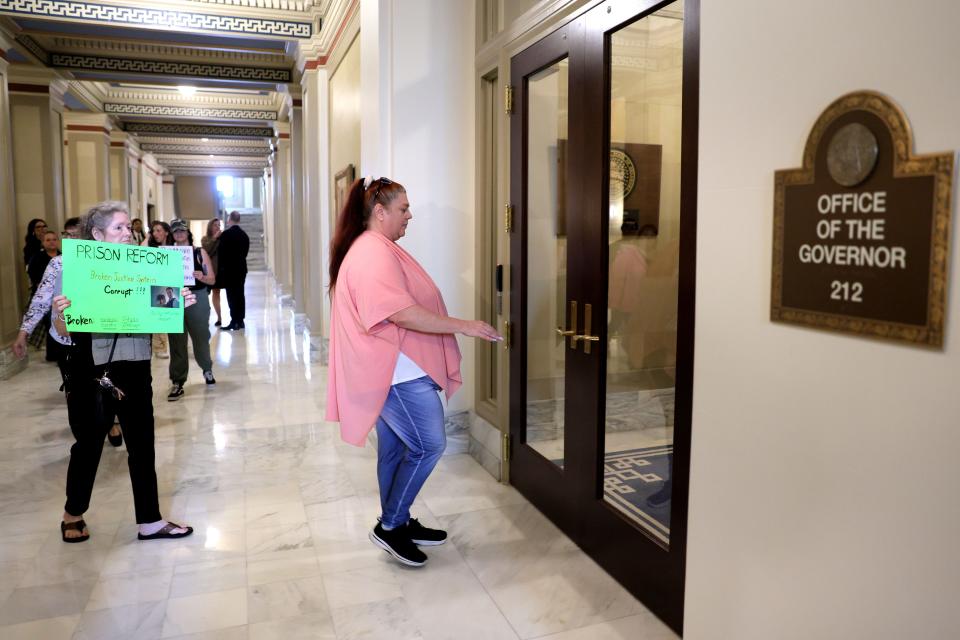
[{"x": 92, "y": 394}]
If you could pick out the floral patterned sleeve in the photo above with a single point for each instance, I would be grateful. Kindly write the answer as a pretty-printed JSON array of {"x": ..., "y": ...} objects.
[{"x": 43, "y": 298}]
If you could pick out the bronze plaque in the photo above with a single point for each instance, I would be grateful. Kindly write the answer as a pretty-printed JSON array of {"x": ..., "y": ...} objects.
[{"x": 861, "y": 232}]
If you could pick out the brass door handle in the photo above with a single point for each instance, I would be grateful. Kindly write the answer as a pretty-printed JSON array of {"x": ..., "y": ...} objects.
[
  {"x": 587, "y": 323},
  {"x": 572, "y": 332}
]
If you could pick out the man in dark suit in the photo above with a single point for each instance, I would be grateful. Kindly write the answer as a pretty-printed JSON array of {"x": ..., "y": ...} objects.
[{"x": 232, "y": 268}]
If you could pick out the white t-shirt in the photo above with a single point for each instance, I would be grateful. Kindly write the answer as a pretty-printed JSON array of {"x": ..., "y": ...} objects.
[{"x": 406, "y": 370}]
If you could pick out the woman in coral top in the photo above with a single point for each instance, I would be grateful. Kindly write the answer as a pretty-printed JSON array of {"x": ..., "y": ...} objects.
[{"x": 392, "y": 349}]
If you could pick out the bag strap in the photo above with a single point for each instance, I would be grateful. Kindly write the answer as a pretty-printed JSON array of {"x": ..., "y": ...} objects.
[{"x": 113, "y": 348}]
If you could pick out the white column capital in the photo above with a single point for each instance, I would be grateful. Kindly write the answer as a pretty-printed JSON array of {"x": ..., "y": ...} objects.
[{"x": 38, "y": 82}]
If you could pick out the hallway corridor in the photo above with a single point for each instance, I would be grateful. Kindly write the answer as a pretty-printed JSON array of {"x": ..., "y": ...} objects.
[{"x": 281, "y": 510}]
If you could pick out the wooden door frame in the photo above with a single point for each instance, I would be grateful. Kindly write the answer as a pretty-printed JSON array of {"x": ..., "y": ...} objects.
[
  {"x": 573, "y": 498},
  {"x": 540, "y": 478},
  {"x": 661, "y": 583}
]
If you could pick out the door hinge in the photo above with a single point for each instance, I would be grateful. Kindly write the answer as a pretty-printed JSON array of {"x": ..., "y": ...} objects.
[
  {"x": 508, "y": 218},
  {"x": 508, "y": 99},
  {"x": 505, "y": 448},
  {"x": 507, "y": 335}
]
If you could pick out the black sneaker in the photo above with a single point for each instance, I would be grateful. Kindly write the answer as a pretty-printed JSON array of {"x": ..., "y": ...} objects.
[
  {"x": 424, "y": 536},
  {"x": 208, "y": 376},
  {"x": 661, "y": 497},
  {"x": 175, "y": 393},
  {"x": 397, "y": 543}
]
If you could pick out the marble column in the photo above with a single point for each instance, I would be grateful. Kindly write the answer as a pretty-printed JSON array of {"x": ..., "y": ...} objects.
[
  {"x": 151, "y": 189},
  {"x": 36, "y": 109},
  {"x": 316, "y": 223},
  {"x": 120, "y": 186},
  {"x": 297, "y": 218},
  {"x": 269, "y": 239},
  {"x": 281, "y": 213},
  {"x": 86, "y": 160},
  {"x": 11, "y": 262},
  {"x": 169, "y": 211}
]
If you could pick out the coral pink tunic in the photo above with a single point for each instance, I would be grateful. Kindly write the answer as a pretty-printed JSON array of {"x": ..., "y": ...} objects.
[{"x": 376, "y": 280}]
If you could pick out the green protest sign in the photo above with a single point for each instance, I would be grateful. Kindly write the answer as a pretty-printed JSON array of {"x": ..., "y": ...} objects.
[{"x": 122, "y": 288}]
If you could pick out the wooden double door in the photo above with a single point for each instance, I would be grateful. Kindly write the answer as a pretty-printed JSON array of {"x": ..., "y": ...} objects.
[{"x": 603, "y": 185}]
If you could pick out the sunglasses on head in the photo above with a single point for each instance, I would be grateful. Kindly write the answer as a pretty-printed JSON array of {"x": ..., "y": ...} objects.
[{"x": 380, "y": 183}]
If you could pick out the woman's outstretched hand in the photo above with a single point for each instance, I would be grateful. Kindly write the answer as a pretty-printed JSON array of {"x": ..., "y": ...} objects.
[
  {"x": 189, "y": 297},
  {"x": 480, "y": 329}
]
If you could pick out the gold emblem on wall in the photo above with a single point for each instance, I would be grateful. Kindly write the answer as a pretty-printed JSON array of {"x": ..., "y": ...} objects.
[
  {"x": 861, "y": 232},
  {"x": 623, "y": 175}
]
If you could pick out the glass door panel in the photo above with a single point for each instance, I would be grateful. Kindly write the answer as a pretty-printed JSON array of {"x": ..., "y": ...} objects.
[
  {"x": 646, "y": 82},
  {"x": 547, "y": 318}
]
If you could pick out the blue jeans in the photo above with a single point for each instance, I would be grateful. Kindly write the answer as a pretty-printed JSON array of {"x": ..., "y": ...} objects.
[{"x": 410, "y": 441}]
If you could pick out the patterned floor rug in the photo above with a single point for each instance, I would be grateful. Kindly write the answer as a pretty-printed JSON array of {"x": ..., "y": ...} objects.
[{"x": 637, "y": 482}]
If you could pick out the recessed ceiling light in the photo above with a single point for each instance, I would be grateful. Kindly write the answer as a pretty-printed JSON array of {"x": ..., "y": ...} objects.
[
  {"x": 211, "y": 155},
  {"x": 187, "y": 90},
  {"x": 204, "y": 139}
]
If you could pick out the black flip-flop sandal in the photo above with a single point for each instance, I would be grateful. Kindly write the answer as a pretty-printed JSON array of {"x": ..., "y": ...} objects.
[
  {"x": 167, "y": 532},
  {"x": 79, "y": 525}
]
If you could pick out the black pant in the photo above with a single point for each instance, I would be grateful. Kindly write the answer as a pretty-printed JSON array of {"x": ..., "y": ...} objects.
[
  {"x": 135, "y": 412},
  {"x": 236, "y": 299}
]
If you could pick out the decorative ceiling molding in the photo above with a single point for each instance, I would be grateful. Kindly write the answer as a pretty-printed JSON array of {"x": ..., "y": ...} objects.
[
  {"x": 33, "y": 47},
  {"x": 302, "y": 6},
  {"x": 240, "y": 173},
  {"x": 198, "y": 130},
  {"x": 202, "y": 149},
  {"x": 155, "y": 95},
  {"x": 89, "y": 93},
  {"x": 196, "y": 113},
  {"x": 192, "y": 52},
  {"x": 169, "y": 68},
  {"x": 241, "y": 145},
  {"x": 338, "y": 18},
  {"x": 117, "y": 14},
  {"x": 171, "y": 162}
]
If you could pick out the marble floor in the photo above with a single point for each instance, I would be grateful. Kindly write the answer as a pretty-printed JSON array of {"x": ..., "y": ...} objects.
[{"x": 281, "y": 510}]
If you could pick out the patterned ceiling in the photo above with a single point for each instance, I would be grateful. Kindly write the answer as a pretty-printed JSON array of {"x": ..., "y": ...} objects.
[{"x": 129, "y": 60}]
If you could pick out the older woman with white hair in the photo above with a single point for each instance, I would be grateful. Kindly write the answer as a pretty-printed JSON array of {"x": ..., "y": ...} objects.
[{"x": 126, "y": 358}]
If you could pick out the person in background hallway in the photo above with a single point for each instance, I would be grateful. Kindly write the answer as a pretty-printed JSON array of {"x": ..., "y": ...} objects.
[
  {"x": 159, "y": 236},
  {"x": 392, "y": 349},
  {"x": 211, "y": 244},
  {"x": 32, "y": 244},
  {"x": 232, "y": 263},
  {"x": 127, "y": 392},
  {"x": 39, "y": 261},
  {"x": 35, "y": 270},
  {"x": 196, "y": 319},
  {"x": 36, "y": 319},
  {"x": 136, "y": 228}
]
